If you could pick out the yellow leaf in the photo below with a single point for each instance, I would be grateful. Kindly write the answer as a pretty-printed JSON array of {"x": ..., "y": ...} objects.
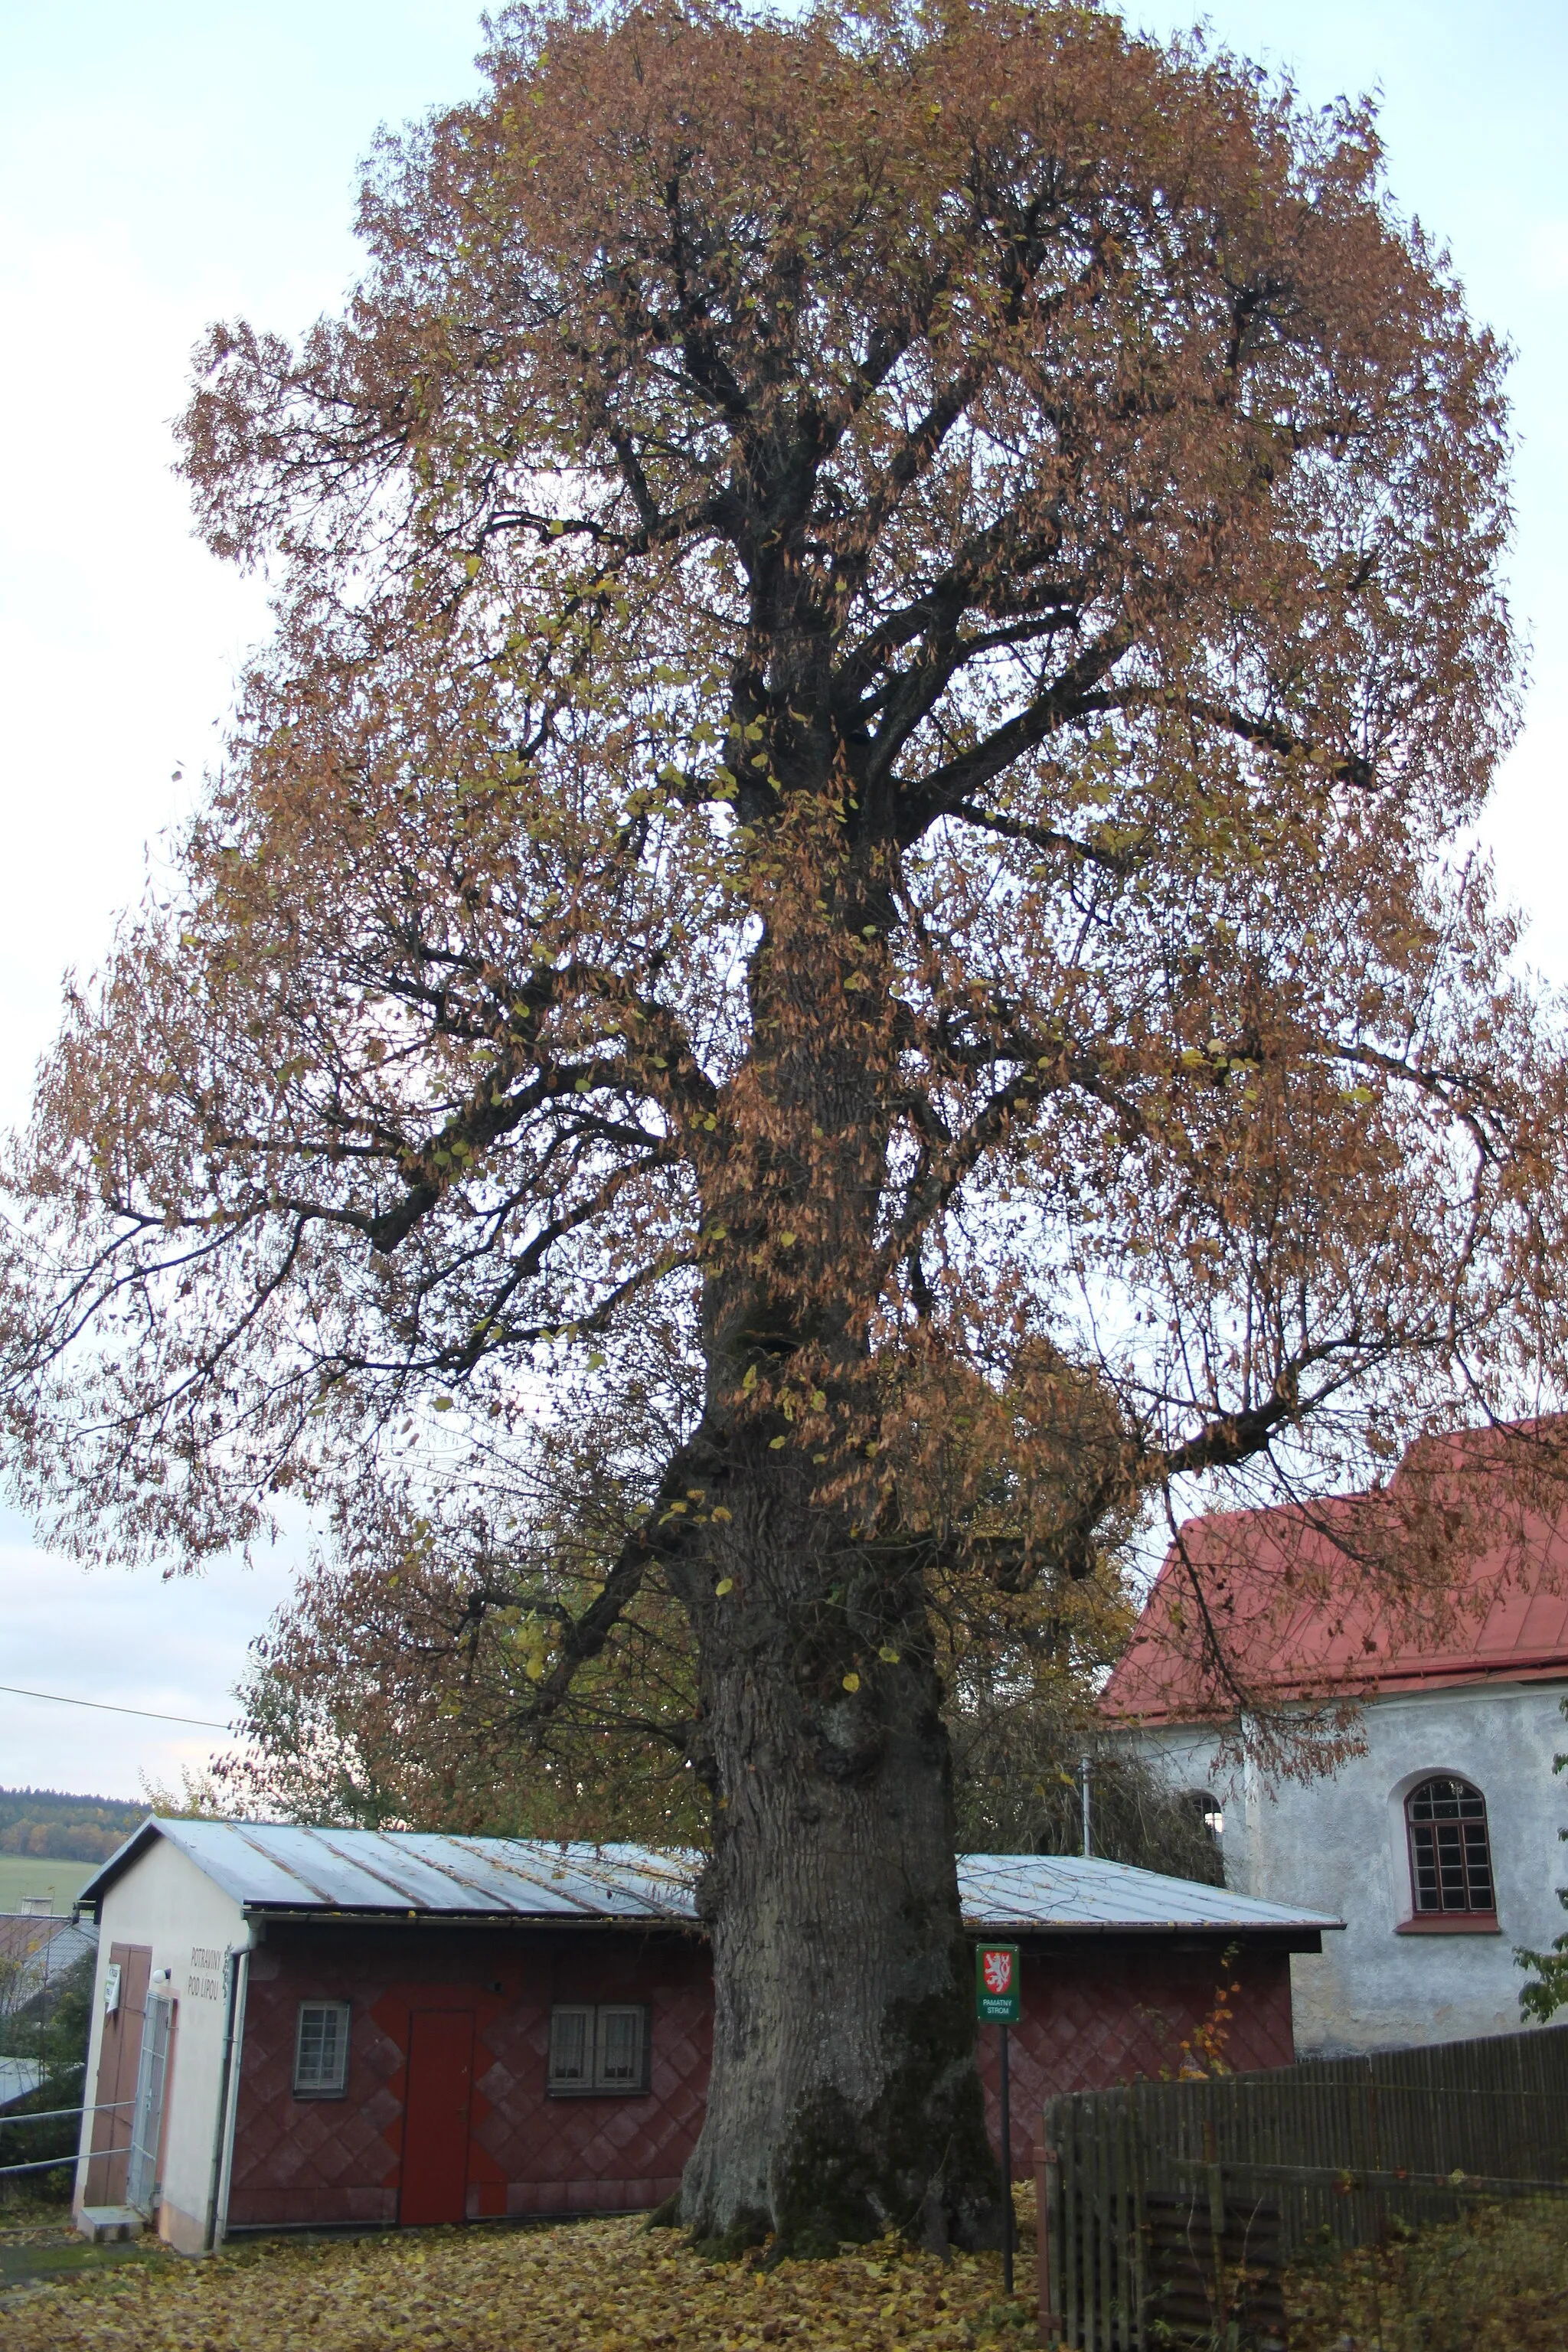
[
  {"x": 890, "y": 1656},
  {"x": 851, "y": 1682},
  {"x": 725, "y": 1583},
  {"x": 774, "y": 1442}
]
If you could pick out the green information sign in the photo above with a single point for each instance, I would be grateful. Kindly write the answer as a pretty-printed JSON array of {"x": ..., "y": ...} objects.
[{"x": 996, "y": 1984}]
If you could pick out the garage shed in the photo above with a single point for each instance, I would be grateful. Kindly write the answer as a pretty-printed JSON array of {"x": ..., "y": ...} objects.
[{"x": 307, "y": 2027}]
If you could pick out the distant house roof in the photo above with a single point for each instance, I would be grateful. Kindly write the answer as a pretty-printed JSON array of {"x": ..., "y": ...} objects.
[
  {"x": 18, "y": 2076},
  {"x": 40, "y": 1949},
  {"x": 1291, "y": 1598},
  {"x": 274, "y": 1871}
]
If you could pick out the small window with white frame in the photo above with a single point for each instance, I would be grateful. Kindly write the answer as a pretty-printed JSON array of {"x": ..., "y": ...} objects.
[
  {"x": 322, "y": 2050},
  {"x": 598, "y": 2049}
]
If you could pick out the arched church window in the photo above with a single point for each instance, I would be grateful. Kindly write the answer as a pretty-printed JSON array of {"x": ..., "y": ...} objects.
[
  {"x": 1207, "y": 1812},
  {"x": 1450, "y": 1852}
]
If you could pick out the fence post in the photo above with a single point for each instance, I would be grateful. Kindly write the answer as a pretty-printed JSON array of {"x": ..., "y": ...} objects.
[
  {"x": 1046, "y": 2162},
  {"x": 1215, "y": 2173}
]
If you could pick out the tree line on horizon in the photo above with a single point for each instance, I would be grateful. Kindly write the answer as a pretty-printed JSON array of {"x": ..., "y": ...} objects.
[{"x": 56, "y": 1825}]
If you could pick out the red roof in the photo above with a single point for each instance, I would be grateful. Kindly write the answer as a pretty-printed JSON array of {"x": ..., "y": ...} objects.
[{"x": 1453, "y": 1573}]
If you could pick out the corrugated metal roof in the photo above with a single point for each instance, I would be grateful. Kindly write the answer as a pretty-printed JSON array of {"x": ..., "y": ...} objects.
[
  {"x": 273, "y": 1866},
  {"x": 1066, "y": 1891},
  {"x": 270, "y": 1867}
]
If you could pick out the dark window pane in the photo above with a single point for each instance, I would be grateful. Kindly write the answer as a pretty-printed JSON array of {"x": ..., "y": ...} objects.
[
  {"x": 322, "y": 2049},
  {"x": 1450, "y": 1855},
  {"x": 620, "y": 2048},
  {"x": 571, "y": 2048}
]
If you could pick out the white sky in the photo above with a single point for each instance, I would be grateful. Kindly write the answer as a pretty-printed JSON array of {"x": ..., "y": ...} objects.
[{"x": 165, "y": 165}]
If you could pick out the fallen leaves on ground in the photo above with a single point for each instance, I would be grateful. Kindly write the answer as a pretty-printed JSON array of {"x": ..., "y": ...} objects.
[
  {"x": 1496, "y": 2282},
  {"x": 582, "y": 2287}
]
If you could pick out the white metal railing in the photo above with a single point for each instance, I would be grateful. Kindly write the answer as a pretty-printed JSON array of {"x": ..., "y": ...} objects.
[{"x": 52, "y": 2115}]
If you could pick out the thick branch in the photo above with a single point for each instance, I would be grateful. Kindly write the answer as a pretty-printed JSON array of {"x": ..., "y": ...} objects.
[
  {"x": 947, "y": 788},
  {"x": 671, "y": 1543}
]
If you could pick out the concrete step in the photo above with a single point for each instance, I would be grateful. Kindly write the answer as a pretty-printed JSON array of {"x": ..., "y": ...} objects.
[{"x": 108, "y": 2225}]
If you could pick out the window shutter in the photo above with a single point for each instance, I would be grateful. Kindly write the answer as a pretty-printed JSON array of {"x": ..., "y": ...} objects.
[
  {"x": 621, "y": 2046},
  {"x": 572, "y": 2048}
]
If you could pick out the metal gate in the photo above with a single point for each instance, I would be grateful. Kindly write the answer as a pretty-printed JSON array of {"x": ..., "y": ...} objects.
[{"x": 147, "y": 2115}]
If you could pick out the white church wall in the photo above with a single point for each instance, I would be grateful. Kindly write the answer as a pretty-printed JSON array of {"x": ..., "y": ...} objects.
[{"x": 1338, "y": 1844}]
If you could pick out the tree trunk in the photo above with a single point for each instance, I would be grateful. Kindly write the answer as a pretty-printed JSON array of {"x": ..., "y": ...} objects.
[{"x": 845, "y": 2097}]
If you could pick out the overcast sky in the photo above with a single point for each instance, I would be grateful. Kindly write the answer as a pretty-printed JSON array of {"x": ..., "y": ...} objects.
[{"x": 167, "y": 164}]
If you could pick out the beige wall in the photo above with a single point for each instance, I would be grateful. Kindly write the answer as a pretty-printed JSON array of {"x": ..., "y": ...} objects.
[{"x": 191, "y": 1926}]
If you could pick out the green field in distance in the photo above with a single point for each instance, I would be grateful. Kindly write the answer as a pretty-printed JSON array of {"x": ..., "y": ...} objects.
[{"x": 22, "y": 1875}]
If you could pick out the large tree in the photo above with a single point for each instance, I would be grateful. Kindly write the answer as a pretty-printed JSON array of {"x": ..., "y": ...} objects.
[{"x": 888, "y": 628}]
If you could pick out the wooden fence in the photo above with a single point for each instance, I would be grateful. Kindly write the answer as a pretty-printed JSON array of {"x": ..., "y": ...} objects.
[{"x": 1168, "y": 2209}]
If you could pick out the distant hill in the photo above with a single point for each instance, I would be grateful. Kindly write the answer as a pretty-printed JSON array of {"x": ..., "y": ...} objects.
[{"x": 53, "y": 1826}]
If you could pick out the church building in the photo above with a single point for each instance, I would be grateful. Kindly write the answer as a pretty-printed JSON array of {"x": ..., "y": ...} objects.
[{"x": 1436, "y": 1842}]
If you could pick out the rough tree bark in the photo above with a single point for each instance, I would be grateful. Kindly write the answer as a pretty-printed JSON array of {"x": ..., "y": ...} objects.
[{"x": 844, "y": 2098}]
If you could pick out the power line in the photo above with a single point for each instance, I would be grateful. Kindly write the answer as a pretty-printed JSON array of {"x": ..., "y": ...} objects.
[{"x": 103, "y": 1707}]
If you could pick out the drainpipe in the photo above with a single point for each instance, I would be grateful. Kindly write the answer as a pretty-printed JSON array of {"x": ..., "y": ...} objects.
[
  {"x": 1083, "y": 1782},
  {"x": 236, "y": 1977}
]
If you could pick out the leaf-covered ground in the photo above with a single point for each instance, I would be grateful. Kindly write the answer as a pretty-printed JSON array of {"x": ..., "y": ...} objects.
[
  {"x": 1497, "y": 2284},
  {"x": 585, "y": 2286},
  {"x": 1494, "y": 2282}
]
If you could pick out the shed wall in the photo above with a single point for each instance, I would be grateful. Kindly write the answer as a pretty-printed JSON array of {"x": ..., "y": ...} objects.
[
  {"x": 1097, "y": 2011},
  {"x": 1109, "y": 2011},
  {"x": 340, "y": 2160}
]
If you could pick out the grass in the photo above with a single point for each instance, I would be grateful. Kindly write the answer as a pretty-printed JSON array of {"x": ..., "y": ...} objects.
[
  {"x": 1496, "y": 2282},
  {"x": 23, "y": 1874},
  {"x": 37, "y": 2243}
]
